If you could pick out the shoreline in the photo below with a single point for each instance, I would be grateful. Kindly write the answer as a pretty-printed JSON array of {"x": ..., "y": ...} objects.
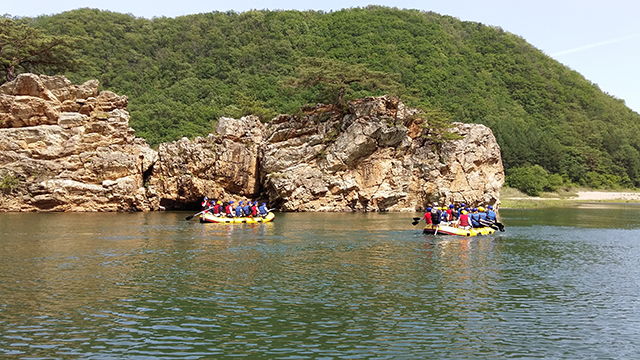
[{"x": 521, "y": 201}]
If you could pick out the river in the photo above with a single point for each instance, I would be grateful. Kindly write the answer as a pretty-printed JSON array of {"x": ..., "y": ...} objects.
[{"x": 558, "y": 283}]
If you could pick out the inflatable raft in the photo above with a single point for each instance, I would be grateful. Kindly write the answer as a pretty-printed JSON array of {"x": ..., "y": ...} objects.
[
  {"x": 209, "y": 218},
  {"x": 451, "y": 230}
]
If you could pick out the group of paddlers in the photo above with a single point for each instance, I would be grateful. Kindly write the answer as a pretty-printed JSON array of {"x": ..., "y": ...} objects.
[
  {"x": 462, "y": 216},
  {"x": 243, "y": 209}
]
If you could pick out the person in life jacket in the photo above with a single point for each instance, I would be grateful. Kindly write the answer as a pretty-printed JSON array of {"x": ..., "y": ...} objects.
[
  {"x": 229, "y": 209},
  {"x": 450, "y": 212},
  {"x": 444, "y": 216},
  {"x": 491, "y": 215},
  {"x": 482, "y": 217},
  {"x": 464, "y": 220},
  {"x": 427, "y": 216},
  {"x": 205, "y": 203},
  {"x": 475, "y": 218},
  {"x": 247, "y": 209},
  {"x": 239, "y": 209},
  {"x": 435, "y": 216},
  {"x": 217, "y": 208},
  {"x": 263, "y": 209},
  {"x": 254, "y": 209},
  {"x": 462, "y": 207}
]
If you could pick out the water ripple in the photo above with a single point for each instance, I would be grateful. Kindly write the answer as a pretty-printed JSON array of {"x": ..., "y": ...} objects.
[{"x": 316, "y": 286}]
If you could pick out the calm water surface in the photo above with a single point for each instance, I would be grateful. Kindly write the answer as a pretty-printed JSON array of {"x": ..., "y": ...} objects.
[{"x": 561, "y": 283}]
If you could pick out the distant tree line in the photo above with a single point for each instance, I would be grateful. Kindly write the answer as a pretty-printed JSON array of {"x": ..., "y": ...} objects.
[{"x": 555, "y": 128}]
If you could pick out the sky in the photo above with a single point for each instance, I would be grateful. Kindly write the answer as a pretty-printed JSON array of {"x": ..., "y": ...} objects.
[{"x": 598, "y": 38}]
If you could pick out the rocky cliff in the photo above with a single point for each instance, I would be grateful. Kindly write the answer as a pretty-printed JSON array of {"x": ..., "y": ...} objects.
[
  {"x": 67, "y": 148},
  {"x": 223, "y": 166},
  {"x": 375, "y": 158}
]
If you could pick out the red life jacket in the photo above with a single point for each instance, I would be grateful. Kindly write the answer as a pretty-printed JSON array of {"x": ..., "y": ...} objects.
[
  {"x": 427, "y": 218},
  {"x": 254, "y": 210},
  {"x": 205, "y": 204},
  {"x": 464, "y": 219},
  {"x": 216, "y": 209},
  {"x": 229, "y": 210}
]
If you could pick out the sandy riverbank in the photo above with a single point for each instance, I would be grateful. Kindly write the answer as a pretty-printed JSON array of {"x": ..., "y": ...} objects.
[
  {"x": 515, "y": 199},
  {"x": 606, "y": 195}
]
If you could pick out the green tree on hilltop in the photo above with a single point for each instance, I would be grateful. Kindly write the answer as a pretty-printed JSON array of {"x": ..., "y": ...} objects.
[
  {"x": 25, "y": 49},
  {"x": 437, "y": 126},
  {"x": 340, "y": 78}
]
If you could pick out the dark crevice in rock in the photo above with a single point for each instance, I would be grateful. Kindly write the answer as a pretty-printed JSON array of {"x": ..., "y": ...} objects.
[{"x": 170, "y": 204}]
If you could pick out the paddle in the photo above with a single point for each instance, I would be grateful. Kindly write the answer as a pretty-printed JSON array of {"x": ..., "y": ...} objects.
[
  {"x": 498, "y": 226},
  {"x": 436, "y": 232},
  {"x": 194, "y": 215},
  {"x": 416, "y": 221}
]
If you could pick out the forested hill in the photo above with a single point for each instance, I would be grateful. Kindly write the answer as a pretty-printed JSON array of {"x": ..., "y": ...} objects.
[{"x": 182, "y": 73}]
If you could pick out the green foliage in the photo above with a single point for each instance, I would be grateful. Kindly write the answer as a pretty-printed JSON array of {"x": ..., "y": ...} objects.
[
  {"x": 182, "y": 73},
  {"x": 337, "y": 79},
  {"x": 437, "y": 126},
  {"x": 532, "y": 180},
  {"x": 554, "y": 182},
  {"x": 331, "y": 136},
  {"x": 11, "y": 183},
  {"x": 25, "y": 49},
  {"x": 248, "y": 105},
  {"x": 604, "y": 181}
]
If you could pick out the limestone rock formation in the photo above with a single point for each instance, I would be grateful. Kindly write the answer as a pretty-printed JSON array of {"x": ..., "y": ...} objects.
[
  {"x": 67, "y": 148},
  {"x": 220, "y": 166},
  {"x": 375, "y": 158},
  {"x": 372, "y": 158}
]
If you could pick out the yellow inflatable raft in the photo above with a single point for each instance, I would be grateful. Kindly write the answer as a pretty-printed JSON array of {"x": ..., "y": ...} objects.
[
  {"x": 209, "y": 218},
  {"x": 451, "y": 230}
]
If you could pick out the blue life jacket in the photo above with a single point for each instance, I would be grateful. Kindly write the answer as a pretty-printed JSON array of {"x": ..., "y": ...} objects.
[
  {"x": 247, "y": 210},
  {"x": 262, "y": 209},
  {"x": 491, "y": 215},
  {"x": 483, "y": 216},
  {"x": 474, "y": 219},
  {"x": 239, "y": 211}
]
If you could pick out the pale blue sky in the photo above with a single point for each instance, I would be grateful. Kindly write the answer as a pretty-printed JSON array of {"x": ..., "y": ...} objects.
[{"x": 600, "y": 39}]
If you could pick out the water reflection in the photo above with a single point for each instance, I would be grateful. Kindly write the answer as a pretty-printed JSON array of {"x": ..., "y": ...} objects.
[{"x": 317, "y": 285}]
